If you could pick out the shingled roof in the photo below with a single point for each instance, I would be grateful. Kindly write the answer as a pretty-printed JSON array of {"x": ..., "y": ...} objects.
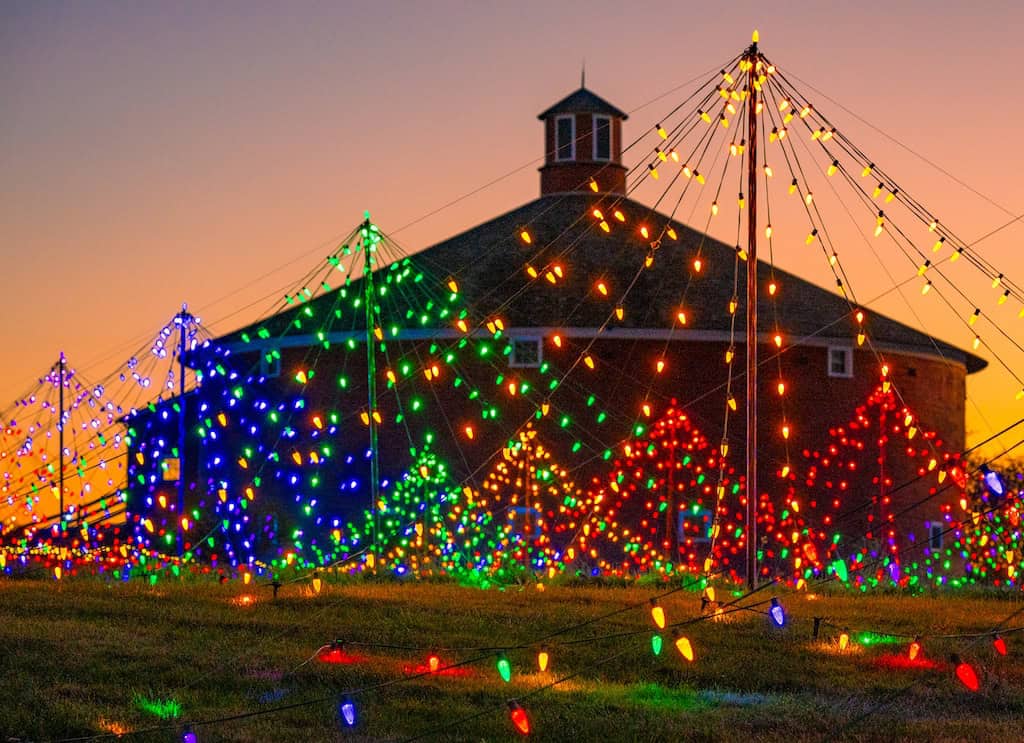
[
  {"x": 583, "y": 102},
  {"x": 488, "y": 263}
]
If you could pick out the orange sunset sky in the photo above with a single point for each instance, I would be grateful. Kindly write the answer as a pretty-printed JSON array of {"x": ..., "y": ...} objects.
[{"x": 155, "y": 153}]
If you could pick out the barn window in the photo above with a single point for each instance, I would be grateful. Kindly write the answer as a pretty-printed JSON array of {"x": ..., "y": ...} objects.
[
  {"x": 935, "y": 536},
  {"x": 695, "y": 526},
  {"x": 840, "y": 361},
  {"x": 525, "y": 352},
  {"x": 565, "y": 138},
  {"x": 171, "y": 469},
  {"x": 602, "y": 138}
]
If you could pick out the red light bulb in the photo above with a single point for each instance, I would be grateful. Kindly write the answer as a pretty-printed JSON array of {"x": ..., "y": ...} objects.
[
  {"x": 965, "y": 673},
  {"x": 1000, "y": 645},
  {"x": 519, "y": 718}
]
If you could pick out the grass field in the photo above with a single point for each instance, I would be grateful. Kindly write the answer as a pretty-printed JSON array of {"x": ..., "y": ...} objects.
[{"x": 85, "y": 657}]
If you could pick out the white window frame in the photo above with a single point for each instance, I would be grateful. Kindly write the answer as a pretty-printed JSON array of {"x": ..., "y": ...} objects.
[
  {"x": 847, "y": 352},
  {"x": 515, "y": 363},
  {"x": 572, "y": 139},
  {"x": 593, "y": 137}
]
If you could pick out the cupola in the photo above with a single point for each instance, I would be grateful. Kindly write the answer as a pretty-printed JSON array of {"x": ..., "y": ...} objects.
[{"x": 582, "y": 144}]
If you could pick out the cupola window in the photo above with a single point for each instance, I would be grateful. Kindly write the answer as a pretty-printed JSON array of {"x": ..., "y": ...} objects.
[
  {"x": 565, "y": 138},
  {"x": 602, "y": 138}
]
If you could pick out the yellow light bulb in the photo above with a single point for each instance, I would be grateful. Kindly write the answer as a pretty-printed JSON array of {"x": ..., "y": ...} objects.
[{"x": 685, "y": 648}]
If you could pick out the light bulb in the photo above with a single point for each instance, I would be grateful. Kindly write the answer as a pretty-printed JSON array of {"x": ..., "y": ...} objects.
[
  {"x": 543, "y": 658},
  {"x": 657, "y": 614},
  {"x": 844, "y": 640},
  {"x": 914, "y": 652},
  {"x": 504, "y": 668},
  {"x": 1000, "y": 645},
  {"x": 656, "y": 644},
  {"x": 188, "y": 736},
  {"x": 683, "y": 646},
  {"x": 518, "y": 716},
  {"x": 347, "y": 712},
  {"x": 965, "y": 673},
  {"x": 778, "y": 614}
]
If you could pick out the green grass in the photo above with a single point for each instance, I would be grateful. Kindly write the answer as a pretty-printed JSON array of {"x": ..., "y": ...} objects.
[{"x": 83, "y": 656}]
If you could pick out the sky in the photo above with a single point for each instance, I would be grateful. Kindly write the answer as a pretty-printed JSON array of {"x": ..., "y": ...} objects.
[{"x": 211, "y": 153}]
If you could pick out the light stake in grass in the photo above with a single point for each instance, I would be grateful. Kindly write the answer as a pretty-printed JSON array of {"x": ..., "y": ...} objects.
[
  {"x": 844, "y": 640},
  {"x": 915, "y": 648},
  {"x": 318, "y": 582},
  {"x": 657, "y": 614},
  {"x": 543, "y": 658},
  {"x": 433, "y": 663},
  {"x": 777, "y": 613},
  {"x": 504, "y": 668},
  {"x": 347, "y": 712},
  {"x": 519, "y": 718},
  {"x": 188, "y": 736},
  {"x": 683, "y": 645},
  {"x": 656, "y": 643},
  {"x": 1000, "y": 645},
  {"x": 965, "y": 673}
]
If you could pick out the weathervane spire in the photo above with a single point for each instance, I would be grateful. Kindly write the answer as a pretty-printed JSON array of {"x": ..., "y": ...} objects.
[{"x": 583, "y": 73}]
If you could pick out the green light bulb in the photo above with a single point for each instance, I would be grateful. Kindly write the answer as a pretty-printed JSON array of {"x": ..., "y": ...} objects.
[{"x": 504, "y": 668}]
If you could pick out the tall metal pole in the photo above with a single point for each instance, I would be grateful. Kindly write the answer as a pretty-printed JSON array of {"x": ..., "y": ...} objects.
[
  {"x": 752, "y": 493},
  {"x": 371, "y": 384},
  {"x": 60, "y": 434},
  {"x": 183, "y": 317}
]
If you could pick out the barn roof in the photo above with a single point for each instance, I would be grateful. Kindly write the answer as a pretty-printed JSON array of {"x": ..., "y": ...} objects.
[{"x": 488, "y": 263}]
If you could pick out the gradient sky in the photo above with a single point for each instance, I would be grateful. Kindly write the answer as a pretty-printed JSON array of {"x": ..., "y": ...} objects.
[{"x": 154, "y": 153}]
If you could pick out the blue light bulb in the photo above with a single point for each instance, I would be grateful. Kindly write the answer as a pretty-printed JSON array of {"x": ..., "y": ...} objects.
[
  {"x": 347, "y": 710},
  {"x": 777, "y": 613}
]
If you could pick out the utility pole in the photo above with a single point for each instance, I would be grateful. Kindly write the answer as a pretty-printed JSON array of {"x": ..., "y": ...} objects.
[
  {"x": 60, "y": 435},
  {"x": 369, "y": 236},
  {"x": 183, "y": 319},
  {"x": 751, "y": 514}
]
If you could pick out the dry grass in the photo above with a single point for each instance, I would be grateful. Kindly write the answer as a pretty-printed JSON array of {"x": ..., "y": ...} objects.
[{"x": 77, "y": 659}]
